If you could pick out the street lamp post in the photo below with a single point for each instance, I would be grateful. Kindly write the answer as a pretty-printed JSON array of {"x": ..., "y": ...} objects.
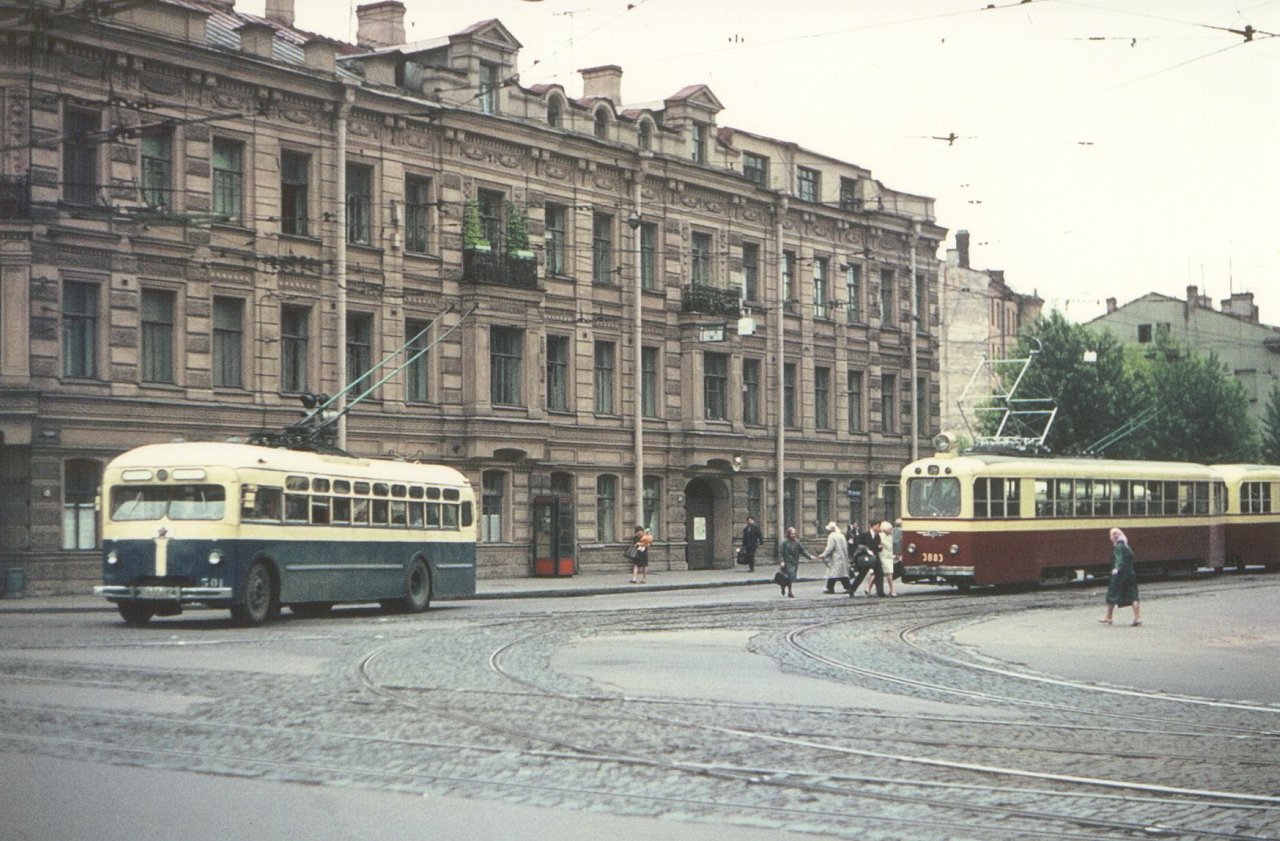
[{"x": 634, "y": 220}]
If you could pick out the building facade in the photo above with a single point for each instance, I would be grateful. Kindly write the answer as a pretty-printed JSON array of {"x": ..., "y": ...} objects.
[
  {"x": 981, "y": 320},
  {"x": 1248, "y": 348},
  {"x": 209, "y": 215}
]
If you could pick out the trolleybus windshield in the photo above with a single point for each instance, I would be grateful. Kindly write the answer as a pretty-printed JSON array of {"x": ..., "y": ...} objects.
[{"x": 174, "y": 502}]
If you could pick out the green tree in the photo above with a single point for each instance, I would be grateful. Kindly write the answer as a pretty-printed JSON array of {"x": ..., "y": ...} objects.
[{"x": 1271, "y": 428}]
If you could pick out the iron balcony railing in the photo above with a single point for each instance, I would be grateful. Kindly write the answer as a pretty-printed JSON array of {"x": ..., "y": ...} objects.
[{"x": 500, "y": 269}]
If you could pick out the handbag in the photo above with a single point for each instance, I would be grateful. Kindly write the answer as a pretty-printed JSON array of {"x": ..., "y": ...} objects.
[
  {"x": 631, "y": 552},
  {"x": 740, "y": 556},
  {"x": 864, "y": 561},
  {"x": 780, "y": 578}
]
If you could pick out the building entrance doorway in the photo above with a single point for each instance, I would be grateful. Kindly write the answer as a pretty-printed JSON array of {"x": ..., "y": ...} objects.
[{"x": 706, "y": 504}]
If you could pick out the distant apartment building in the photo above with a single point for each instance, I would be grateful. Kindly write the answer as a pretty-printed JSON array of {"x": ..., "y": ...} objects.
[
  {"x": 209, "y": 215},
  {"x": 981, "y": 317},
  {"x": 1249, "y": 349}
]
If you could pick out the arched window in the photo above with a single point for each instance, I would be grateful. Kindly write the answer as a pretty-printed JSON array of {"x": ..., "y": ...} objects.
[
  {"x": 645, "y": 138},
  {"x": 602, "y": 123},
  {"x": 606, "y": 508},
  {"x": 652, "y": 504},
  {"x": 555, "y": 112}
]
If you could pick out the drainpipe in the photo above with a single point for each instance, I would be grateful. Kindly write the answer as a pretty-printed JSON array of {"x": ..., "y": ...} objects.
[
  {"x": 340, "y": 254},
  {"x": 780, "y": 445}
]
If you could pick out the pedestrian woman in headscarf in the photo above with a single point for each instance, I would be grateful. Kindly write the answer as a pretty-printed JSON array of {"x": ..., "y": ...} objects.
[
  {"x": 790, "y": 553},
  {"x": 836, "y": 557},
  {"x": 1123, "y": 589}
]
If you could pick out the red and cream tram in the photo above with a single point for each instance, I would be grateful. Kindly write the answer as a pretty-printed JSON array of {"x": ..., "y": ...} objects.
[{"x": 985, "y": 519}]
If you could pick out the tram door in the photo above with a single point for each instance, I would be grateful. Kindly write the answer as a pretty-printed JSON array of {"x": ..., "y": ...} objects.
[{"x": 554, "y": 533}]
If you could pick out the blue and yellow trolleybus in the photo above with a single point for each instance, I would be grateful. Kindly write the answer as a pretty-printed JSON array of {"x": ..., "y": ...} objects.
[{"x": 255, "y": 528}]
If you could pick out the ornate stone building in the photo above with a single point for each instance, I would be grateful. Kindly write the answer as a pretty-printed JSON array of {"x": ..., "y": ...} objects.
[{"x": 206, "y": 215}]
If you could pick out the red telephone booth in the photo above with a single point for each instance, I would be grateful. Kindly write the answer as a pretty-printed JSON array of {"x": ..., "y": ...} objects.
[{"x": 554, "y": 532}]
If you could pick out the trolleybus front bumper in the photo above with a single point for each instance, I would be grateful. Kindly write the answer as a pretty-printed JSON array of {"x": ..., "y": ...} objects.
[{"x": 162, "y": 593}]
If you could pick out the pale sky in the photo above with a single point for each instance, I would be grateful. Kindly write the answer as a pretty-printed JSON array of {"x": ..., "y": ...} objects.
[{"x": 1105, "y": 148}]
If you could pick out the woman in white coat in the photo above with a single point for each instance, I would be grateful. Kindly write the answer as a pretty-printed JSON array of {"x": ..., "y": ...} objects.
[
  {"x": 886, "y": 555},
  {"x": 836, "y": 557}
]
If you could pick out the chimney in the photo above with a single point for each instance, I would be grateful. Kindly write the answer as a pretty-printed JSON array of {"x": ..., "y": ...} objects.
[
  {"x": 1111, "y": 305},
  {"x": 380, "y": 24},
  {"x": 962, "y": 247},
  {"x": 1241, "y": 305},
  {"x": 604, "y": 81},
  {"x": 256, "y": 38},
  {"x": 280, "y": 11}
]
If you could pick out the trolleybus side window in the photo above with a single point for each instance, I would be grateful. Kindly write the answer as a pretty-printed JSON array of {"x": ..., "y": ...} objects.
[
  {"x": 341, "y": 501},
  {"x": 296, "y": 504},
  {"x": 468, "y": 515},
  {"x": 260, "y": 503}
]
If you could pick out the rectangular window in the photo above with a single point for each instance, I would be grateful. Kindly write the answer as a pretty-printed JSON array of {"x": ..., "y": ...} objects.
[
  {"x": 855, "y": 401},
  {"x": 807, "y": 184},
  {"x": 756, "y": 168},
  {"x": 294, "y": 190},
  {"x": 751, "y": 392},
  {"x": 359, "y": 204},
  {"x": 557, "y": 373},
  {"x": 294, "y": 337},
  {"x": 715, "y": 386},
  {"x": 80, "y": 155},
  {"x": 700, "y": 259},
  {"x": 849, "y": 194},
  {"x": 888, "y": 313},
  {"x": 416, "y": 380},
  {"x": 822, "y": 498},
  {"x": 604, "y": 377},
  {"x": 228, "y": 342},
  {"x": 921, "y": 305},
  {"x": 853, "y": 292},
  {"x": 602, "y": 248},
  {"x": 506, "y": 357},
  {"x": 996, "y": 498},
  {"x": 492, "y": 497},
  {"x": 228, "y": 180},
  {"x": 789, "y": 299},
  {"x": 417, "y": 214},
  {"x": 698, "y": 143},
  {"x": 652, "y": 504},
  {"x": 606, "y": 508},
  {"x": 789, "y": 395},
  {"x": 490, "y": 204},
  {"x": 648, "y": 256},
  {"x": 556, "y": 215},
  {"x": 80, "y": 481},
  {"x": 157, "y": 336},
  {"x": 489, "y": 84},
  {"x": 157, "y": 168},
  {"x": 922, "y": 407},
  {"x": 359, "y": 348},
  {"x": 649, "y": 382},
  {"x": 821, "y": 292},
  {"x": 79, "y": 329},
  {"x": 1144, "y": 333},
  {"x": 755, "y": 499},
  {"x": 822, "y": 399},
  {"x": 888, "y": 403},
  {"x": 790, "y": 502},
  {"x": 750, "y": 271}
]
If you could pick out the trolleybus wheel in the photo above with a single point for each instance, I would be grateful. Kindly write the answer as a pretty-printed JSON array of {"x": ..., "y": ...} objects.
[
  {"x": 135, "y": 613},
  {"x": 417, "y": 587},
  {"x": 258, "y": 600}
]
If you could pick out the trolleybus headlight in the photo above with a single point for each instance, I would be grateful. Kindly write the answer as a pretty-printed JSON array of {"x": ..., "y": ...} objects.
[
  {"x": 955, "y": 550},
  {"x": 111, "y": 557},
  {"x": 215, "y": 557}
]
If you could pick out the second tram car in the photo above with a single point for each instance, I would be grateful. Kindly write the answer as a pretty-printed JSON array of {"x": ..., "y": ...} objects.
[{"x": 985, "y": 519}]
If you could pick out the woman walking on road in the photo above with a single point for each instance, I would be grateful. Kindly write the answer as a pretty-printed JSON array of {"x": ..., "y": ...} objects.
[
  {"x": 1123, "y": 589},
  {"x": 886, "y": 557},
  {"x": 790, "y": 552}
]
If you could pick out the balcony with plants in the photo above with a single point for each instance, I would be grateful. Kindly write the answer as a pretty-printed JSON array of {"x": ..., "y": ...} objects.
[{"x": 504, "y": 263}]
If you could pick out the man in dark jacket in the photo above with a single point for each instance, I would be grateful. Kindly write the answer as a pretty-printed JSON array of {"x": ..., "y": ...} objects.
[
  {"x": 751, "y": 540},
  {"x": 865, "y": 558}
]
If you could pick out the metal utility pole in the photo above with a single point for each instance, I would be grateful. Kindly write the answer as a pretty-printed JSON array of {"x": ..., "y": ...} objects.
[
  {"x": 780, "y": 445},
  {"x": 914, "y": 342},
  {"x": 634, "y": 220},
  {"x": 340, "y": 252}
]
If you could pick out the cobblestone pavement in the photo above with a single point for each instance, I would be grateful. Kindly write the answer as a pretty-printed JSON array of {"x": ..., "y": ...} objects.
[{"x": 837, "y": 718}]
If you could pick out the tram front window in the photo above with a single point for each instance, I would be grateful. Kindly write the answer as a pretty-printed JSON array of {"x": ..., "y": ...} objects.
[
  {"x": 933, "y": 497},
  {"x": 176, "y": 502}
]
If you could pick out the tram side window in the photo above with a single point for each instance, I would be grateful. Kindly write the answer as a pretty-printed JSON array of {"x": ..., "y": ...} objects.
[
  {"x": 1137, "y": 498},
  {"x": 1062, "y": 498},
  {"x": 1255, "y": 498},
  {"x": 1084, "y": 498},
  {"x": 1201, "y": 497},
  {"x": 1101, "y": 497},
  {"x": 995, "y": 498},
  {"x": 261, "y": 504},
  {"x": 1044, "y": 505},
  {"x": 1120, "y": 498}
]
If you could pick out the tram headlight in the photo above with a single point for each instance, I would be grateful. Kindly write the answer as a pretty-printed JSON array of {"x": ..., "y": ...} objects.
[
  {"x": 911, "y": 548},
  {"x": 112, "y": 558},
  {"x": 215, "y": 557},
  {"x": 955, "y": 549}
]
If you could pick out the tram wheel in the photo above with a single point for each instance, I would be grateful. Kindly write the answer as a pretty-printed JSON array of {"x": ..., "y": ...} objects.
[
  {"x": 135, "y": 613},
  {"x": 257, "y": 603}
]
